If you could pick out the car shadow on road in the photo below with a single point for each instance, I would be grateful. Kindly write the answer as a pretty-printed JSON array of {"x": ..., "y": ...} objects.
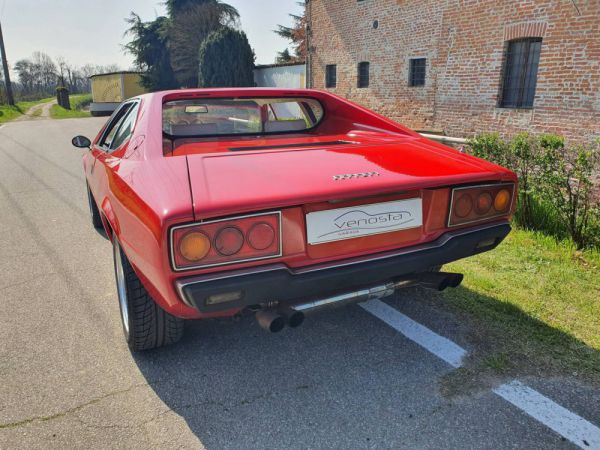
[
  {"x": 237, "y": 386},
  {"x": 344, "y": 377}
]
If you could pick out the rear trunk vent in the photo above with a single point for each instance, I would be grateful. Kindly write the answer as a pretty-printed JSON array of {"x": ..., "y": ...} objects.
[{"x": 299, "y": 145}]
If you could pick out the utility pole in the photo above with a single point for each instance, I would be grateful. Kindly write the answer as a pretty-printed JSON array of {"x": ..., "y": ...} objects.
[{"x": 9, "y": 93}]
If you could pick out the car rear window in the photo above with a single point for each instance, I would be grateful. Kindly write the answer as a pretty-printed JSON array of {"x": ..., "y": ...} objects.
[{"x": 236, "y": 116}]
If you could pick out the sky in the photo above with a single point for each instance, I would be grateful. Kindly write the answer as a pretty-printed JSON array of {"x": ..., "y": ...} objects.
[{"x": 91, "y": 31}]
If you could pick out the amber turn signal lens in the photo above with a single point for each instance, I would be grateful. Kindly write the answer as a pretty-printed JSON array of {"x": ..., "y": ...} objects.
[
  {"x": 229, "y": 241},
  {"x": 463, "y": 206},
  {"x": 502, "y": 200},
  {"x": 480, "y": 203},
  {"x": 484, "y": 203},
  {"x": 194, "y": 246},
  {"x": 261, "y": 236}
]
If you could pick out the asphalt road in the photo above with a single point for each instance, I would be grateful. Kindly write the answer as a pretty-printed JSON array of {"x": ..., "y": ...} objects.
[{"x": 345, "y": 379}]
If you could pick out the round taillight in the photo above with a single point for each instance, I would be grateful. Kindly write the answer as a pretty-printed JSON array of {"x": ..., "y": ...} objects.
[
  {"x": 502, "y": 200},
  {"x": 463, "y": 206},
  {"x": 261, "y": 236},
  {"x": 484, "y": 203},
  {"x": 194, "y": 246},
  {"x": 229, "y": 241}
]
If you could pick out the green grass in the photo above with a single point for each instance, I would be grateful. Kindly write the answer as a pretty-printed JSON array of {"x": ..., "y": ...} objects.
[
  {"x": 533, "y": 308},
  {"x": 8, "y": 113},
  {"x": 78, "y": 102}
]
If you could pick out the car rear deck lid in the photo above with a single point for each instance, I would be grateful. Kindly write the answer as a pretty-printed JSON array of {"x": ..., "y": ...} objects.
[{"x": 233, "y": 182}]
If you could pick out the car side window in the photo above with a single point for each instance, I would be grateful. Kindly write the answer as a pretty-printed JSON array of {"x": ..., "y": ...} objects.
[
  {"x": 125, "y": 128},
  {"x": 113, "y": 126}
]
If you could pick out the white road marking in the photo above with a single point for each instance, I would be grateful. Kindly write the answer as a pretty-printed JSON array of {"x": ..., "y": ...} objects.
[
  {"x": 438, "y": 345},
  {"x": 569, "y": 425}
]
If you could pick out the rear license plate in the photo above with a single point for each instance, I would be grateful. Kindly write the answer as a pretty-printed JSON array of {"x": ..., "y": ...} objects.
[{"x": 364, "y": 220}]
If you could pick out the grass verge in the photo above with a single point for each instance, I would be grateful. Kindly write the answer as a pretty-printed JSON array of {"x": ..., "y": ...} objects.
[
  {"x": 533, "y": 308},
  {"x": 8, "y": 113},
  {"x": 78, "y": 102}
]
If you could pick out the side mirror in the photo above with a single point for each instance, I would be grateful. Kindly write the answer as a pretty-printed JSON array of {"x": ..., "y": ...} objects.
[{"x": 81, "y": 142}]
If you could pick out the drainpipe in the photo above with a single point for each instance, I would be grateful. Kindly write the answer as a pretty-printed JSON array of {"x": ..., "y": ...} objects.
[{"x": 308, "y": 31}]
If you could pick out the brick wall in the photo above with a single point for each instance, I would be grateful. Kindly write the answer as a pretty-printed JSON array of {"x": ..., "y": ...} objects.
[{"x": 464, "y": 42}]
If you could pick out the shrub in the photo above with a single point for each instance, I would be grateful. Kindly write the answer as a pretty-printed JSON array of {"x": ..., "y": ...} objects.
[
  {"x": 490, "y": 146},
  {"x": 566, "y": 184},
  {"x": 226, "y": 60},
  {"x": 524, "y": 153},
  {"x": 556, "y": 191}
]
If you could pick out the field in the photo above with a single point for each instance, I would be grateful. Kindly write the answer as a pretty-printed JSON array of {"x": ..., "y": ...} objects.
[
  {"x": 534, "y": 307},
  {"x": 78, "y": 102}
]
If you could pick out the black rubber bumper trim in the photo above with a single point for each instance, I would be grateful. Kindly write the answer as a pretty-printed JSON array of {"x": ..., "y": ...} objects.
[{"x": 278, "y": 282}]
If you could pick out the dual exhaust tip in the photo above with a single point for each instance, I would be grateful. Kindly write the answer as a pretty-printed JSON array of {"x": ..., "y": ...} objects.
[{"x": 275, "y": 320}]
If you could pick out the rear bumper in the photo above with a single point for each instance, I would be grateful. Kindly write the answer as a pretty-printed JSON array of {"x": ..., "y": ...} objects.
[{"x": 279, "y": 282}]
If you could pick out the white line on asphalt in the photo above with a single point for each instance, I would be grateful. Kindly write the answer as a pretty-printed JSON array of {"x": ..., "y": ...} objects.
[
  {"x": 438, "y": 345},
  {"x": 558, "y": 418},
  {"x": 569, "y": 425}
]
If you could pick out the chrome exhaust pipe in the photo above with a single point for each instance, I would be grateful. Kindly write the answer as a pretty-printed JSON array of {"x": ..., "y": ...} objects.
[
  {"x": 362, "y": 295},
  {"x": 292, "y": 317},
  {"x": 433, "y": 280},
  {"x": 270, "y": 320}
]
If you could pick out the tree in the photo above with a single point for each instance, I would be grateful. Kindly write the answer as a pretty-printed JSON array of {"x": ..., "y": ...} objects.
[
  {"x": 191, "y": 21},
  {"x": 283, "y": 57},
  {"x": 150, "y": 50},
  {"x": 226, "y": 60},
  {"x": 181, "y": 6},
  {"x": 296, "y": 34},
  {"x": 24, "y": 70},
  {"x": 37, "y": 75},
  {"x": 44, "y": 71}
]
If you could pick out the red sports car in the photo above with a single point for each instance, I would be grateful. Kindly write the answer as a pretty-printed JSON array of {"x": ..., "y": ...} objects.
[{"x": 221, "y": 202}]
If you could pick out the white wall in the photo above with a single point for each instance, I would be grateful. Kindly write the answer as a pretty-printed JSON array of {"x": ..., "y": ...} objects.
[{"x": 281, "y": 76}]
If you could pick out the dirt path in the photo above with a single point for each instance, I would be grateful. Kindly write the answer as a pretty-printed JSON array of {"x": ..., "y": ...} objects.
[{"x": 37, "y": 112}]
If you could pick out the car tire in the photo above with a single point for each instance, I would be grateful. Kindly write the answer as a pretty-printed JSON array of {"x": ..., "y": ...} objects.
[
  {"x": 94, "y": 211},
  {"x": 145, "y": 324}
]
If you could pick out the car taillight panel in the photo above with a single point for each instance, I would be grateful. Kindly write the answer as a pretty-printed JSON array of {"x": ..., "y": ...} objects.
[
  {"x": 226, "y": 241},
  {"x": 479, "y": 203}
]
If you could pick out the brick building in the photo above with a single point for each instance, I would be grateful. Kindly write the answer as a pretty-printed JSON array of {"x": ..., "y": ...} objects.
[{"x": 463, "y": 66}]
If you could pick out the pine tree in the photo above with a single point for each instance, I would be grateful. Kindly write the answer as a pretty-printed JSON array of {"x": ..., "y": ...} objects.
[
  {"x": 296, "y": 34},
  {"x": 226, "y": 60},
  {"x": 191, "y": 21},
  {"x": 283, "y": 57},
  {"x": 151, "y": 52}
]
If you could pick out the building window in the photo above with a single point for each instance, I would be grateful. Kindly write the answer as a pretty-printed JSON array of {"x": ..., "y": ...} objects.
[
  {"x": 520, "y": 73},
  {"x": 330, "y": 75},
  {"x": 363, "y": 75},
  {"x": 416, "y": 75}
]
